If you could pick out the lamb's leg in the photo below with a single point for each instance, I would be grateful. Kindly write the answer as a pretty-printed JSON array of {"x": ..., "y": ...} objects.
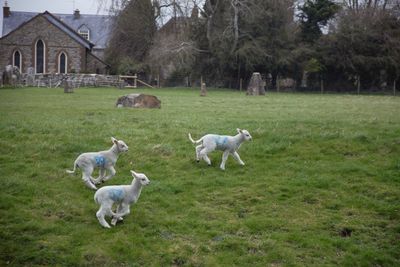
[
  {"x": 102, "y": 173},
  {"x": 224, "y": 158},
  {"x": 103, "y": 211},
  {"x": 124, "y": 210},
  {"x": 87, "y": 177},
  {"x": 203, "y": 155},
  {"x": 89, "y": 184},
  {"x": 237, "y": 157},
  {"x": 116, "y": 219},
  {"x": 198, "y": 148},
  {"x": 111, "y": 173}
]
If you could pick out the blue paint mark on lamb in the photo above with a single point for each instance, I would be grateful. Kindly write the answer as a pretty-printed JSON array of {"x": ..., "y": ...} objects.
[
  {"x": 221, "y": 140},
  {"x": 100, "y": 160},
  {"x": 116, "y": 194}
]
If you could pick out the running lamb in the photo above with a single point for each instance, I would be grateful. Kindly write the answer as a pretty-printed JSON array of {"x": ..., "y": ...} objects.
[
  {"x": 122, "y": 195},
  {"x": 103, "y": 160},
  {"x": 228, "y": 144}
]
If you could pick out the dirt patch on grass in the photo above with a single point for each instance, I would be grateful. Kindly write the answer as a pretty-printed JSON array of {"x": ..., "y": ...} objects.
[{"x": 345, "y": 232}]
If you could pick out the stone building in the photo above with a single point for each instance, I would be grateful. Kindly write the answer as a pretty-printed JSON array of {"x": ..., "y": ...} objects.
[{"x": 47, "y": 43}]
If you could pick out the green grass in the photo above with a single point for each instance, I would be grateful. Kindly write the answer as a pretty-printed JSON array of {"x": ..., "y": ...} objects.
[{"x": 318, "y": 164}]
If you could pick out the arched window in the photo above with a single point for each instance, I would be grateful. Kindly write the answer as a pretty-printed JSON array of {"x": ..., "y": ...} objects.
[
  {"x": 17, "y": 60},
  {"x": 84, "y": 31},
  {"x": 62, "y": 63},
  {"x": 40, "y": 57}
]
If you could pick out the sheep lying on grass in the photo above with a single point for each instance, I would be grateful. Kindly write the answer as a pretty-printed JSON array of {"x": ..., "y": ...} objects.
[
  {"x": 123, "y": 195},
  {"x": 104, "y": 160},
  {"x": 226, "y": 143}
]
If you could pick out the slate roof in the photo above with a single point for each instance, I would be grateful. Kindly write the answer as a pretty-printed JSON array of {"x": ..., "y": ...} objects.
[{"x": 99, "y": 25}]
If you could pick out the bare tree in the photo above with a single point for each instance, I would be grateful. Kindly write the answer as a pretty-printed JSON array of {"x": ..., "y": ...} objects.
[
  {"x": 358, "y": 5},
  {"x": 174, "y": 49}
]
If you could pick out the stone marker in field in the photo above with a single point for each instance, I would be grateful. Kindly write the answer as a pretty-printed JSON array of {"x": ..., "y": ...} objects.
[
  {"x": 256, "y": 85},
  {"x": 11, "y": 76},
  {"x": 203, "y": 89},
  {"x": 138, "y": 101},
  {"x": 68, "y": 88}
]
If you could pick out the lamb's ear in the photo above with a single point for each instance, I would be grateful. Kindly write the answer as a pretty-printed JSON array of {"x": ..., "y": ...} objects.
[
  {"x": 134, "y": 174},
  {"x": 238, "y": 130},
  {"x": 115, "y": 141}
]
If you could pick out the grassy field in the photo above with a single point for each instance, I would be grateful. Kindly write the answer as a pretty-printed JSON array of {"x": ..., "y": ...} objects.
[{"x": 321, "y": 185}]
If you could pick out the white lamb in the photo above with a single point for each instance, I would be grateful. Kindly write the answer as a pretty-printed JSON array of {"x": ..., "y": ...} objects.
[
  {"x": 122, "y": 195},
  {"x": 103, "y": 160},
  {"x": 226, "y": 143}
]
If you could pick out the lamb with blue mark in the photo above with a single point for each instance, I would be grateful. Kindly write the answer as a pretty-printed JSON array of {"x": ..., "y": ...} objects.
[
  {"x": 122, "y": 195},
  {"x": 228, "y": 144},
  {"x": 103, "y": 160}
]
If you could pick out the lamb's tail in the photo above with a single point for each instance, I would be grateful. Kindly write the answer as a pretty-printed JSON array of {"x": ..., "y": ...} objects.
[
  {"x": 194, "y": 141},
  {"x": 73, "y": 171}
]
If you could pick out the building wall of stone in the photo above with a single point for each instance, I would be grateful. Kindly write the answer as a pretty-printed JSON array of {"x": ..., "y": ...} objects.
[
  {"x": 56, "y": 41},
  {"x": 98, "y": 53},
  {"x": 94, "y": 65}
]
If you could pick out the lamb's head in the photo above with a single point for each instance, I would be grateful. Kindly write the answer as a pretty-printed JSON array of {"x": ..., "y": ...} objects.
[
  {"x": 141, "y": 177},
  {"x": 246, "y": 135},
  {"x": 122, "y": 147}
]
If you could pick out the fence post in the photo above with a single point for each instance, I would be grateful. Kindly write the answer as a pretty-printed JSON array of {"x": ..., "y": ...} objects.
[
  {"x": 241, "y": 84},
  {"x": 277, "y": 83},
  {"x": 358, "y": 84},
  {"x": 135, "y": 81},
  {"x": 394, "y": 87},
  {"x": 322, "y": 86}
]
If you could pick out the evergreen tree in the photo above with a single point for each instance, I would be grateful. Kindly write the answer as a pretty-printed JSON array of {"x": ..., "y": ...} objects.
[
  {"x": 315, "y": 14},
  {"x": 365, "y": 47}
]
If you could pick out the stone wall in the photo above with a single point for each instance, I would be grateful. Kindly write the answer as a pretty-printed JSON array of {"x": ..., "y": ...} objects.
[{"x": 75, "y": 80}]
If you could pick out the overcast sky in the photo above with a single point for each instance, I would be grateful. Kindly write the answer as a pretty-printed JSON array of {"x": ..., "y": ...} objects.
[{"x": 53, "y": 6}]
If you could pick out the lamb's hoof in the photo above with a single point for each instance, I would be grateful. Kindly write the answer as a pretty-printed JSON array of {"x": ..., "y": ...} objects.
[
  {"x": 115, "y": 220},
  {"x": 198, "y": 161},
  {"x": 90, "y": 185}
]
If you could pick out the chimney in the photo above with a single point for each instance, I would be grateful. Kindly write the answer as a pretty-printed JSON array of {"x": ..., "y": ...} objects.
[
  {"x": 77, "y": 15},
  {"x": 6, "y": 10}
]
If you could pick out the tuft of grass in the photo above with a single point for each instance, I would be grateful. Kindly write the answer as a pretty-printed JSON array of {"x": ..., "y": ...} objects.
[{"x": 321, "y": 184}]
